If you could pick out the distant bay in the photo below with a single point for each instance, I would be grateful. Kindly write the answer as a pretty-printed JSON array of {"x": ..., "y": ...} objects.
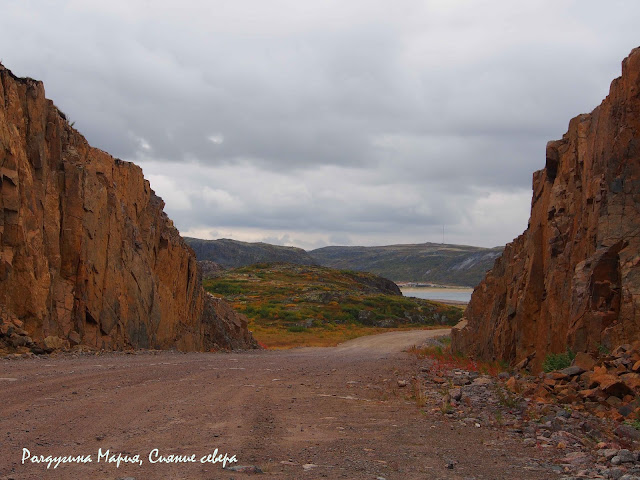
[{"x": 434, "y": 293}]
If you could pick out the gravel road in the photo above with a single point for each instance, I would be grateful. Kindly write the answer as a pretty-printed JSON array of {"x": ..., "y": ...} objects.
[{"x": 295, "y": 414}]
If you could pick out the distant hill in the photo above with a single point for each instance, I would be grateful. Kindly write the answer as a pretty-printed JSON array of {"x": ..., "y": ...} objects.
[
  {"x": 425, "y": 262},
  {"x": 233, "y": 254}
]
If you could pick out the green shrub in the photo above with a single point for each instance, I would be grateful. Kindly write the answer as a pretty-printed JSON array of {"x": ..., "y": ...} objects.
[
  {"x": 558, "y": 361},
  {"x": 633, "y": 423},
  {"x": 289, "y": 316},
  {"x": 349, "y": 313},
  {"x": 297, "y": 328},
  {"x": 226, "y": 287}
]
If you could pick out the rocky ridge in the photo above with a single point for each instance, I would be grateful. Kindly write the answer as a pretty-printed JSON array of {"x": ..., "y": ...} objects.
[
  {"x": 233, "y": 253},
  {"x": 572, "y": 279},
  {"x": 87, "y": 255},
  {"x": 427, "y": 262}
]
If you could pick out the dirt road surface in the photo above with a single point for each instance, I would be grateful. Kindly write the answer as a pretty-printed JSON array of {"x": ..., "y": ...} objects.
[{"x": 297, "y": 414}]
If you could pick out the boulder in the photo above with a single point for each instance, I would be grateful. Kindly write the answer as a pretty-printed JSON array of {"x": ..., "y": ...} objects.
[
  {"x": 52, "y": 343},
  {"x": 584, "y": 360},
  {"x": 513, "y": 385},
  {"x": 627, "y": 432},
  {"x": 572, "y": 371}
]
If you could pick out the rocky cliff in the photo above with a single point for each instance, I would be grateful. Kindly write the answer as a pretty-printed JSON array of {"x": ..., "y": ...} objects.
[
  {"x": 572, "y": 279},
  {"x": 87, "y": 255}
]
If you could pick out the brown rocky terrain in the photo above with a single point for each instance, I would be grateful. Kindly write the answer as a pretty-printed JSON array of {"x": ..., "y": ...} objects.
[
  {"x": 605, "y": 387},
  {"x": 562, "y": 411},
  {"x": 572, "y": 279},
  {"x": 87, "y": 255}
]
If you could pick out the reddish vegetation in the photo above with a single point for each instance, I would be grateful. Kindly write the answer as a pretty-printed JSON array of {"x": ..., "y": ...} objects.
[
  {"x": 572, "y": 279},
  {"x": 87, "y": 255},
  {"x": 443, "y": 361}
]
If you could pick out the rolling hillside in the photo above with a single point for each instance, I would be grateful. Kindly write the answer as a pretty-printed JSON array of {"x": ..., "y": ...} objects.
[
  {"x": 233, "y": 253},
  {"x": 426, "y": 262}
]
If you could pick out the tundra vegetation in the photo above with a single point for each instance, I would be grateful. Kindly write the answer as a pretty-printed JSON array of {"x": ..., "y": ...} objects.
[{"x": 307, "y": 305}]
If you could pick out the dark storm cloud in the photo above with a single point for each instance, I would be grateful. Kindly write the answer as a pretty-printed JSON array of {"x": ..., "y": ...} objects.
[{"x": 360, "y": 120}]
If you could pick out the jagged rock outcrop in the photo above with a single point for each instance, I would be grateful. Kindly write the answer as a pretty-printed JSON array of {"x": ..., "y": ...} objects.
[
  {"x": 87, "y": 255},
  {"x": 229, "y": 328},
  {"x": 572, "y": 279}
]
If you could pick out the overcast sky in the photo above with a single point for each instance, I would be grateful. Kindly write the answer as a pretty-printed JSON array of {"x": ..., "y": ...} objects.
[{"x": 308, "y": 123}]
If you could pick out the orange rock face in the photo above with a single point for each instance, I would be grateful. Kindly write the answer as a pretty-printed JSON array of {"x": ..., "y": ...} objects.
[
  {"x": 87, "y": 255},
  {"x": 572, "y": 279}
]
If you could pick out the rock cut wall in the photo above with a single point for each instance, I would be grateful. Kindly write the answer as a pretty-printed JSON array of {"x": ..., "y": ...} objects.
[
  {"x": 87, "y": 254},
  {"x": 572, "y": 279}
]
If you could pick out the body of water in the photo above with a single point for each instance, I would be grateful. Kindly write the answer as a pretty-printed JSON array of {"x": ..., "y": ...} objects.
[{"x": 430, "y": 293}]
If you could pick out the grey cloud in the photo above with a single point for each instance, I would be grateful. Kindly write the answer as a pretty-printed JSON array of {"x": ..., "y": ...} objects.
[{"x": 444, "y": 102}]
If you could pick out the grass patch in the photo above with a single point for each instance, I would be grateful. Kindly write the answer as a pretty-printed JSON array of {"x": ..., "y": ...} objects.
[
  {"x": 557, "y": 361},
  {"x": 227, "y": 287},
  {"x": 297, "y": 329},
  {"x": 418, "y": 393},
  {"x": 603, "y": 350}
]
